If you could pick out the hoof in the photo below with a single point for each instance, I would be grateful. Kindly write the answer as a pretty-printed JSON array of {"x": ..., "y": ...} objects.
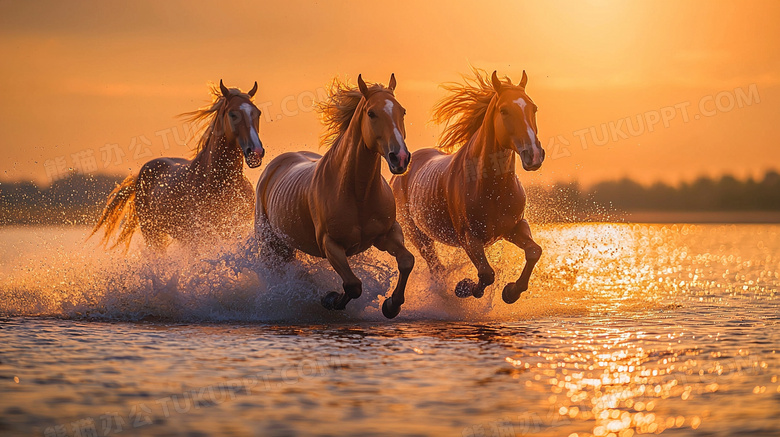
[
  {"x": 389, "y": 310},
  {"x": 465, "y": 288},
  {"x": 330, "y": 300},
  {"x": 511, "y": 293}
]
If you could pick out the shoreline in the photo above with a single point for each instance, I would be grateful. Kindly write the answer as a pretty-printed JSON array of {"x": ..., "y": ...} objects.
[
  {"x": 633, "y": 217},
  {"x": 702, "y": 217}
]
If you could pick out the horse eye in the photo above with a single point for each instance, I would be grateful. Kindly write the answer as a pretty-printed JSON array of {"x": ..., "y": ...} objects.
[
  {"x": 504, "y": 112},
  {"x": 371, "y": 114}
]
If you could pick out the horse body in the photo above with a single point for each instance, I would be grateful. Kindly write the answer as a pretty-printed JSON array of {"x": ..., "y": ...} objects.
[
  {"x": 337, "y": 205},
  {"x": 293, "y": 193},
  {"x": 443, "y": 207},
  {"x": 173, "y": 199},
  {"x": 473, "y": 198},
  {"x": 196, "y": 200}
]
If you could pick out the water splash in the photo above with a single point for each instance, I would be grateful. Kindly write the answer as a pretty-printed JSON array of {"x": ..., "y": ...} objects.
[{"x": 54, "y": 272}]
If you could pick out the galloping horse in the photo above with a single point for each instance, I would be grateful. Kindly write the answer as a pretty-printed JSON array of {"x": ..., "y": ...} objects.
[
  {"x": 188, "y": 200},
  {"x": 472, "y": 197},
  {"x": 338, "y": 204}
]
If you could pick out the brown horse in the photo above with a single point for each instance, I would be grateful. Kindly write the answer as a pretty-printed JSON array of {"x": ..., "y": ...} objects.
[
  {"x": 472, "y": 197},
  {"x": 338, "y": 204},
  {"x": 189, "y": 200}
]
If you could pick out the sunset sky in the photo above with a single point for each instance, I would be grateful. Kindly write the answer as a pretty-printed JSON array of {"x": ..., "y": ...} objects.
[{"x": 78, "y": 76}]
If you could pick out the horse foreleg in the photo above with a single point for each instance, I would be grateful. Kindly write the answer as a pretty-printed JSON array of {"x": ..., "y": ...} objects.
[
  {"x": 521, "y": 237},
  {"x": 393, "y": 243},
  {"x": 353, "y": 288},
  {"x": 476, "y": 252}
]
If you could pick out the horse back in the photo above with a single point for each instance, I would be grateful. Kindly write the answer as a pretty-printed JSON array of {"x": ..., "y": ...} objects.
[
  {"x": 161, "y": 178},
  {"x": 162, "y": 168}
]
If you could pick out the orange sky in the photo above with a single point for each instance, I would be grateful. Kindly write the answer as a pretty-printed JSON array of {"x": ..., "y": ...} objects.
[{"x": 76, "y": 76}]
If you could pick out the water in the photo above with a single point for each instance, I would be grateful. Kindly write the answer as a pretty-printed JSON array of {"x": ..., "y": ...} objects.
[{"x": 628, "y": 329}]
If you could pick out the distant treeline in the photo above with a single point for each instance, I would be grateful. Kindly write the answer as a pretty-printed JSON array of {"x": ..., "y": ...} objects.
[
  {"x": 78, "y": 199},
  {"x": 608, "y": 200},
  {"x": 704, "y": 194},
  {"x": 75, "y": 199}
]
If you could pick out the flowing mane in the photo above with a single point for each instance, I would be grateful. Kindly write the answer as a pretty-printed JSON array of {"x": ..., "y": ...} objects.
[
  {"x": 463, "y": 111},
  {"x": 210, "y": 116},
  {"x": 337, "y": 110}
]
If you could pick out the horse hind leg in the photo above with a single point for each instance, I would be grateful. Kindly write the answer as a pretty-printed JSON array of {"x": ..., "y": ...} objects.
[
  {"x": 269, "y": 244},
  {"x": 150, "y": 220},
  {"x": 154, "y": 238},
  {"x": 282, "y": 251},
  {"x": 521, "y": 237},
  {"x": 416, "y": 236},
  {"x": 425, "y": 245}
]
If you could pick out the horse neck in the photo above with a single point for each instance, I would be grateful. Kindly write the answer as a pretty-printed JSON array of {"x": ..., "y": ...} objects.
[
  {"x": 220, "y": 159},
  {"x": 358, "y": 169},
  {"x": 486, "y": 162}
]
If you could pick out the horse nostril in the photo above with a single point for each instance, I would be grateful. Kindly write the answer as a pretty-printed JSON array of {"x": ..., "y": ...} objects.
[{"x": 393, "y": 158}]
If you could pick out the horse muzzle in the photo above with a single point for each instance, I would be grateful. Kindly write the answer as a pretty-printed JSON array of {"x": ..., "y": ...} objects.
[
  {"x": 254, "y": 157},
  {"x": 531, "y": 156},
  {"x": 398, "y": 162}
]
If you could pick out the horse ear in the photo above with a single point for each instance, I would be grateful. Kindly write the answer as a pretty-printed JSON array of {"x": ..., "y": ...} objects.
[
  {"x": 391, "y": 84},
  {"x": 362, "y": 86},
  {"x": 253, "y": 90},
  {"x": 223, "y": 88},
  {"x": 496, "y": 82},
  {"x": 523, "y": 81}
]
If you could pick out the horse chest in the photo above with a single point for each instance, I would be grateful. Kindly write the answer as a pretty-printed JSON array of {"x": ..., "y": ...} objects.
[
  {"x": 356, "y": 232},
  {"x": 490, "y": 219},
  {"x": 374, "y": 227}
]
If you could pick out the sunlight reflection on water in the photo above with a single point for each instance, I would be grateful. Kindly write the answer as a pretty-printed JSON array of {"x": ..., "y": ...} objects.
[{"x": 627, "y": 329}]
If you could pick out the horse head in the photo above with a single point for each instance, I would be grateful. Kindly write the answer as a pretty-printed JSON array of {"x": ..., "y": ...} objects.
[
  {"x": 514, "y": 122},
  {"x": 382, "y": 125},
  {"x": 242, "y": 121}
]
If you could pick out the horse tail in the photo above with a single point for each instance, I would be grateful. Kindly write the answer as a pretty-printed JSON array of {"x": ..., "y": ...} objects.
[{"x": 119, "y": 213}]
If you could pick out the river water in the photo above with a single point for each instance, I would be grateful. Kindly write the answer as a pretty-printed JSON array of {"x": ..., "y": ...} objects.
[{"x": 626, "y": 330}]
